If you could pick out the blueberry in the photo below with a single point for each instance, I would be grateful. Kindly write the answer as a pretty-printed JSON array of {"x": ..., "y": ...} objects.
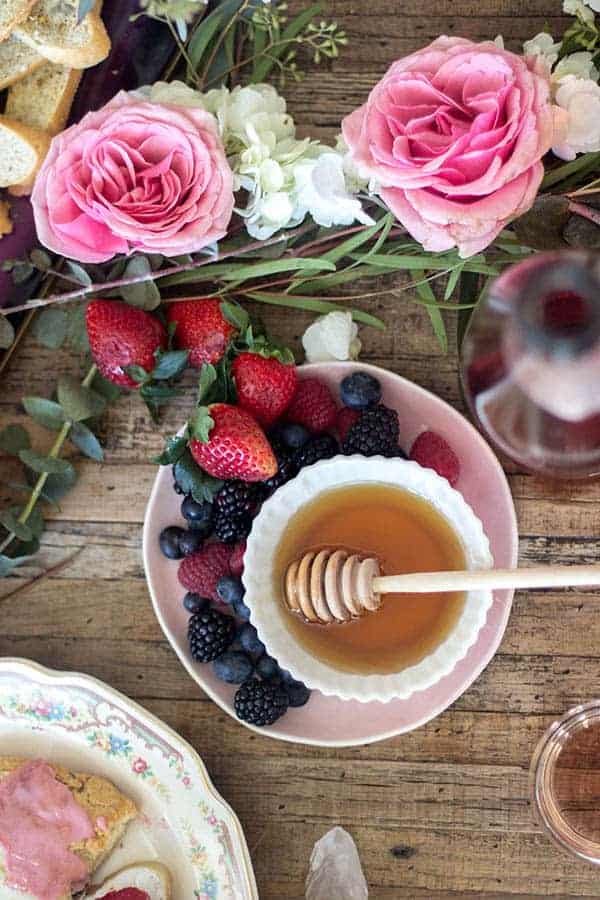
[
  {"x": 267, "y": 668},
  {"x": 294, "y": 436},
  {"x": 298, "y": 693},
  {"x": 190, "y": 542},
  {"x": 177, "y": 488},
  {"x": 241, "y": 610},
  {"x": 198, "y": 515},
  {"x": 169, "y": 541},
  {"x": 194, "y": 602},
  {"x": 249, "y": 639},
  {"x": 233, "y": 667},
  {"x": 230, "y": 589},
  {"x": 360, "y": 390}
]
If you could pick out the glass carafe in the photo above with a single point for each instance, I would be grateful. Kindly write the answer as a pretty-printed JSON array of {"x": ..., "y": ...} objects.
[{"x": 530, "y": 366}]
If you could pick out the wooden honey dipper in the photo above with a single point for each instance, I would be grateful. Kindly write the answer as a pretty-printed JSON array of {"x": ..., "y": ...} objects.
[{"x": 335, "y": 585}]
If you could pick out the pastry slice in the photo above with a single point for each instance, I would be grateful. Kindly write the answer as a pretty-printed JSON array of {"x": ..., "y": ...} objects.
[
  {"x": 11, "y": 13},
  {"x": 150, "y": 878},
  {"x": 22, "y": 151},
  {"x": 52, "y": 30},
  {"x": 43, "y": 99},
  {"x": 17, "y": 60}
]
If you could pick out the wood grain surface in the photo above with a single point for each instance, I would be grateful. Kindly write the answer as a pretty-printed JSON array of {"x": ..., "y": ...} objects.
[{"x": 443, "y": 812}]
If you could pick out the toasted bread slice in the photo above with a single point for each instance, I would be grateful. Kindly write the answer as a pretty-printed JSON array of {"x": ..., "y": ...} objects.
[
  {"x": 43, "y": 100},
  {"x": 22, "y": 151},
  {"x": 152, "y": 877},
  {"x": 17, "y": 60},
  {"x": 109, "y": 810},
  {"x": 6, "y": 226},
  {"x": 11, "y": 13},
  {"x": 53, "y": 32}
]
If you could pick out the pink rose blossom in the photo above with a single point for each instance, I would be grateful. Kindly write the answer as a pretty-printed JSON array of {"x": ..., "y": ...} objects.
[
  {"x": 139, "y": 765},
  {"x": 453, "y": 137},
  {"x": 134, "y": 176}
]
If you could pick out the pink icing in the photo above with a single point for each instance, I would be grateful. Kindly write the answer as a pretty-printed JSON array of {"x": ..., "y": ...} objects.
[{"x": 39, "y": 820}]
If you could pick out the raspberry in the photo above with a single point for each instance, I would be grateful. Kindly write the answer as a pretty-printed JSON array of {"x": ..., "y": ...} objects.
[
  {"x": 236, "y": 561},
  {"x": 200, "y": 572},
  {"x": 313, "y": 406},
  {"x": 346, "y": 418},
  {"x": 433, "y": 452}
]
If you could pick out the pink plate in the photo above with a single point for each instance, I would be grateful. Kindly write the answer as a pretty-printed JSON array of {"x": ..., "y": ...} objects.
[{"x": 326, "y": 721}]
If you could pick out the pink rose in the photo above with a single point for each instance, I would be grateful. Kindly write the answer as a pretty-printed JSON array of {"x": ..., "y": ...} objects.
[
  {"x": 453, "y": 138},
  {"x": 139, "y": 765},
  {"x": 134, "y": 176}
]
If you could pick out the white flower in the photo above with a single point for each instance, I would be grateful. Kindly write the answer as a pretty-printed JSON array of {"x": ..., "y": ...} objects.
[
  {"x": 544, "y": 46},
  {"x": 331, "y": 337},
  {"x": 580, "y": 64},
  {"x": 175, "y": 92},
  {"x": 499, "y": 41},
  {"x": 581, "y": 9},
  {"x": 580, "y": 97},
  {"x": 322, "y": 192}
]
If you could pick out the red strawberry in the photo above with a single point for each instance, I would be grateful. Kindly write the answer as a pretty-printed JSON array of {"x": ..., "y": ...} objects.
[
  {"x": 131, "y": 893},
  {"x": 265, "y": 386},
  {"x": 121, "y": 335},
  {"x": 200, "y": 572},
  {"x": 433, "y": 452},
  {"x": 346, "y": 418},
  {"x": 201, "y": 328},
  {"x": 313, "y": 406},
  {"x": 236, "y": 561},
  {"x": 236, "y": 448}
]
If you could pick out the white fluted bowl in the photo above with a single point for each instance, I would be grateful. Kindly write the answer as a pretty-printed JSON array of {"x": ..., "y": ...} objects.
[{"x": 269, "y": 616}]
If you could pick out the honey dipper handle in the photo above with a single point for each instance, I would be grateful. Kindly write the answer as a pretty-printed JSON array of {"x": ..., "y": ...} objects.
[{"x": 489, "y": 579}]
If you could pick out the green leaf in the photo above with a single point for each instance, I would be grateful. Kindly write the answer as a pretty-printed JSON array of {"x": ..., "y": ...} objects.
[
  {"x": 561, "y": 173},
  {"x": 208, "y": 376},
  {"x": 13, "y": 439},
  {"x": 324, "y": 283},
  {"x": 48, "y": 464},
  {"x": 86, "y": 441},
  {"x": 174, "y": 448},
  {"x": 57, "y": 485},
  {"x": 50, "y": 328},
  {"x": 9, "y": 518},
  {"x": 319, "y": 306},
  {"x": 235, "y": 314},
  {"x": 111, "y": 392},
  {"x": 7, "y": 333},
  {"x": 354, "y": 242},
  {"x": 424, "y": 291},
  {"x": 193, "y": 480},
  {"x": 40, "y": 259},
  {"x": 452, "y": 281},
  {"x": 8, "y": 564},
  {"x": 138, "y": 373},
  {"x": 144, "y": 294},
  {"x": 35, "y": 522},
  {"x": 79, "y": 273},
  {"x": 295, "y": 27},
  {"x": 77, "y": 401},
  {"x": 469, "y": 293},
  {"x": 45, "y": 412},
  {"x": 170, "y": 364},
  {"x": 427, "y": 262},
  {"x": 77, "y": 331},
  {"x": 201, "y": 423},
  {"x": 276, "y": 266},
  {"x": 208, "y": 28}
]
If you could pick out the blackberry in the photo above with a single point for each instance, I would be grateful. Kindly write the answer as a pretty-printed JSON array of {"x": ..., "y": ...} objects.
[
  {"x": 236, "y": 498},
  {"x": 260, "y": 703},
  {"x": 286, "y": 468},
  {"x": 323, "y": 446},
  {"x": 210, "y": 633},
  {"x": 376, "y": 432},
  {"x": 231, "y": 528}
]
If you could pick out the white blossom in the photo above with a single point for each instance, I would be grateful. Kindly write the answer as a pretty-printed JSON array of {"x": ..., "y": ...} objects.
[
  {"x": 544, "y": 46},
  {"x": 331, "y": 337},
  {"x": 580, "y": 64},
  {"x": 580, "y": 9},
  {"x": 321, "y": 191},
  {"x": 580, "y": 97}
]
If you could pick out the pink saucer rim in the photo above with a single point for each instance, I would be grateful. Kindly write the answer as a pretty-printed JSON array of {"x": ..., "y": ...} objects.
[{"x": 279, "y": 733}]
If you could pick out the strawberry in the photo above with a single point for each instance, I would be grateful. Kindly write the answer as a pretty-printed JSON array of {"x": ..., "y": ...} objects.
[
  {"x": 346, "y": 418},
  {"x": 201, "y": 328},
  {"x": 200, "y": 572},
  {"x": 433, "y": 452},
  {"x": 313, "y": 406},
  {"x": 265, "y": 386},
  {"x": 237, "y": 446},
  {"x": 121, "y": 335},
  {"x": 130, "y": 893},
  {"x": 236, "y": 561}
]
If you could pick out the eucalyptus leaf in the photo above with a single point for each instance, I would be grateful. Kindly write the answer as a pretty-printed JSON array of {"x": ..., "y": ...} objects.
[
  {"x": 7, "y": 333},
  {"x": 50, "y": 327},
  {"x": 86, "y": 441},
  {"x": 170, "y": 364},
  {"x": 8, "y": 564},
  {"x": 77, "y": 335},
  {"x": 9, "y": 518},
  {"x": 35, "y": 522},
  {"x": 111, "y": 392},
  {"x": 143, "y": 294},
  {"x": 57, "y": 485},
  {"x": 138, "y": 373},
  {"x": 77, "y": 401},
  {"x": 49, "y": 464},
  {"x": 79, "y": 273},
  {"x": 45, "y": 412},
  {"x": 13, "y": 439},
  {"x": 193, "y": 480}
]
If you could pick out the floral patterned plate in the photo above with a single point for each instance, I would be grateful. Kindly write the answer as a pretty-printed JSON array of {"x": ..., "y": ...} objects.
[{"x": 81, "y": 723}]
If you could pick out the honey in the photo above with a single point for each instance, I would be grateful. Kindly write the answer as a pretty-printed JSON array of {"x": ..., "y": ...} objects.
[{"x": 407, "y": 534}]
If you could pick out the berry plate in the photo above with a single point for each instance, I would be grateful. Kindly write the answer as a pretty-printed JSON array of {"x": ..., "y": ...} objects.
[
  {"x": 327, "y": 721},
  {"x": 79, "y": 722}
]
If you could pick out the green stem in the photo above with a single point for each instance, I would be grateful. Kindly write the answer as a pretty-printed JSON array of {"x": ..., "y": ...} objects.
[{"x": 39, "y": 485}]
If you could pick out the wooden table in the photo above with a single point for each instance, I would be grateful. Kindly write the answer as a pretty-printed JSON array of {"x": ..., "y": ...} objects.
[{"x": 440, "y": 813}]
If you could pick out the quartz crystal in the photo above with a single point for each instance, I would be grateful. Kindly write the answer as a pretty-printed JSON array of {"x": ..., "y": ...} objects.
[{"x": 335, "y": 870}]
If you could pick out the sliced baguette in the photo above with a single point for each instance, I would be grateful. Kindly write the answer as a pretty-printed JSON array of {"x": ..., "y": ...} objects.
[
  {"x": 53, "y": 32},
  {"x": 12, "y": 12},
  {"x": 22, "y": 151},
  {"x": 43, "y": 100},
  {"x": 152, "y": 877},
  {"x": 103, "y": 803},
  {"x": 17, "y": 60},
  {"x": 6, "y": 226}
]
